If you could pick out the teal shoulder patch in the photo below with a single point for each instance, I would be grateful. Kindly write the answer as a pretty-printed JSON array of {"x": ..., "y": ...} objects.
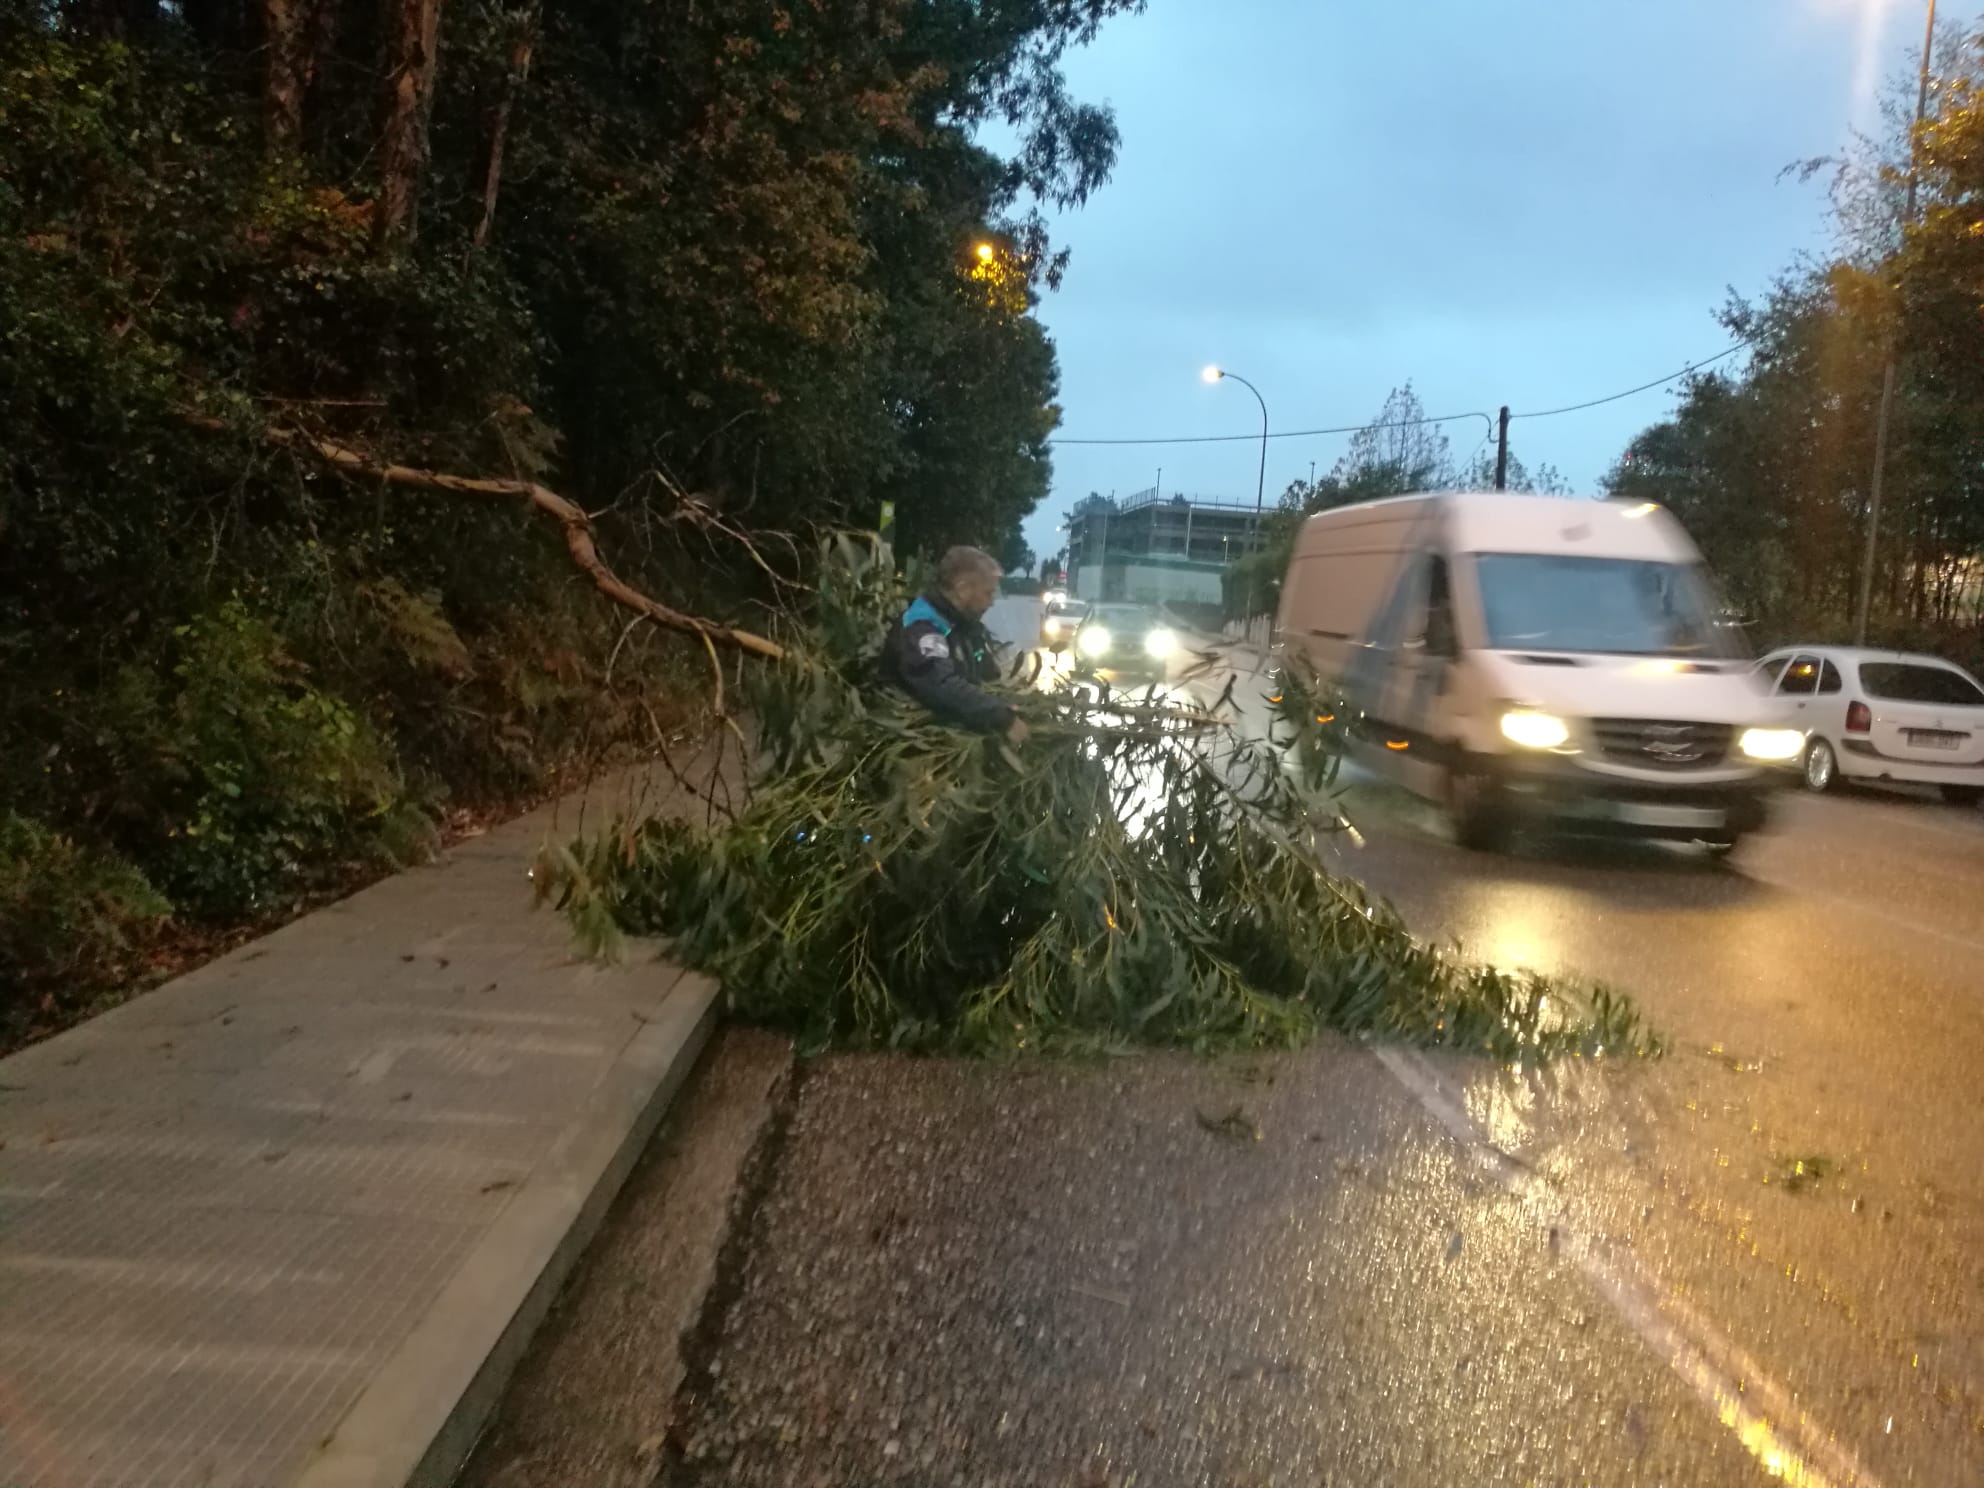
[{"x": 922, "y": 609}]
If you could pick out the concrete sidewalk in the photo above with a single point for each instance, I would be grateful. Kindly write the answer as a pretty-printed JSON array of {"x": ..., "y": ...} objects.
[{"x": 288, "y": 1220}]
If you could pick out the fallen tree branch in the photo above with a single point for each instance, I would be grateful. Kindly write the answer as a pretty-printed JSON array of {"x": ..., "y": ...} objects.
[{"x": 577, "y": 527}]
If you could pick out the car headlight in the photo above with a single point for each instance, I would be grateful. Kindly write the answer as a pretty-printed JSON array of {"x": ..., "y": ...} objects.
[
  {"x": 1051, "y": 625},
  {"x": 1094, "y": 641},
  {"x": 1772, "y": 744},
  {"x": 1534, "y": 730},
  {"x": 1160, "y": 643}
]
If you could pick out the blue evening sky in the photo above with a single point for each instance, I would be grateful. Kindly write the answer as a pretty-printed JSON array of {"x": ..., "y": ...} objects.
[{"x": 1529, "y": 202}]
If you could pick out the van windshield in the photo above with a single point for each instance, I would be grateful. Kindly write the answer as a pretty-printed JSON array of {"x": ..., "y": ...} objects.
[{"x": 1618, "y": 606}]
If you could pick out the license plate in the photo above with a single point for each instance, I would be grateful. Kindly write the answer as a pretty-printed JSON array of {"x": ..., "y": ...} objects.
[
  {"x": 1651, "y": 814},
  {"x": 1934, "y": 738}
]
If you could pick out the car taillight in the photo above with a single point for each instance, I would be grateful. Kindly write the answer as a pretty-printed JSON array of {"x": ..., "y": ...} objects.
[{"x": 1859, "y": 718}]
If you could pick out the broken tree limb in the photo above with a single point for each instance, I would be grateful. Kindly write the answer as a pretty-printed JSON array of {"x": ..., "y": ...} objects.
[{"x": 571, "y": 518}]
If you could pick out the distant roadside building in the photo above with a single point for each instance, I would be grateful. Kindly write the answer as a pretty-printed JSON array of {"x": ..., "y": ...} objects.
[{"x": 1152, "y": 549}]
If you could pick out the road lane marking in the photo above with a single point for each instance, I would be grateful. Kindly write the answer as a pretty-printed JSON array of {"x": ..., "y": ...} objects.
[{"x": 1797, "y": 1449}]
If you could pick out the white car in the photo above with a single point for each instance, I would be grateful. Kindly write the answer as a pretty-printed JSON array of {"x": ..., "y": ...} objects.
[{"x": 1883, "y": 715}]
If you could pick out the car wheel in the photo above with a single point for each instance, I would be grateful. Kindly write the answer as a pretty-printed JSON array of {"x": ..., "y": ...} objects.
[
  {"x": 1821, "y": 766},
  {"x": 1963, "y": 795},
  {"x": 1476, "y": 808}
]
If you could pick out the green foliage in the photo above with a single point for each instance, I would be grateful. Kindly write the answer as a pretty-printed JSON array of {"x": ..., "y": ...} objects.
[
  {"x": 732, "y": 251},
  {"x": 66, "y": 914},
  {"x": 281, "y": 784},
  {"x": 1770, "y": 464},
  {"x": 1137, "y": 873}
]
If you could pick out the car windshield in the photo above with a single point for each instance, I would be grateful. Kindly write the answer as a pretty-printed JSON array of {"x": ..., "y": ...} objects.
[
  {"x": 1123, "y": 617},
  {"x": 1619, "y": 606},
  {"x": 1915, "y": 682}
]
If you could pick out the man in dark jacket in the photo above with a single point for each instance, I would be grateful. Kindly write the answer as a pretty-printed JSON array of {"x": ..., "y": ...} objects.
[{"x": 941, "y": 654}]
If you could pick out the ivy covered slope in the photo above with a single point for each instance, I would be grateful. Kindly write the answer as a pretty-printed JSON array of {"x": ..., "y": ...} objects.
[{"x": 1137, "y": 873}]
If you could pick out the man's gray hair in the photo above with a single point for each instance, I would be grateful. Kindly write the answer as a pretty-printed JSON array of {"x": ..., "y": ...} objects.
[{"x": 963, "y": 563}]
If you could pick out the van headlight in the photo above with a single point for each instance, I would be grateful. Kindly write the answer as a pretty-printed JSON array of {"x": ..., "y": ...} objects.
[
  {"x": 1160, "y": 643},
  {"x": 1534, "y": 730},
  {"x": 1772, "y": 745},
  {"x": 1094, "y": 640},
  {"x": 1051, "y": 625}
]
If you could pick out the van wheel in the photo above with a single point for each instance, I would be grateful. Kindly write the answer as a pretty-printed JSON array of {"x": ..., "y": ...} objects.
[
  {"x": 1821, "y": 766},
  {"x": 1476, "y": 808}
]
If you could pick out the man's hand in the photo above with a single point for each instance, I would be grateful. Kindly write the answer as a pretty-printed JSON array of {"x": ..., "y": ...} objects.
[{"x": 1016, "y": 731}]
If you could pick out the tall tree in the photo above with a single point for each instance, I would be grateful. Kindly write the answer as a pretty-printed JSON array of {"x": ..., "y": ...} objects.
[
  {"x": 1396, "y": 452},
  {"x": 1770, "y": 464},
  {"x": 699, "y": 268},
  {"x": 413, "y": 31}
]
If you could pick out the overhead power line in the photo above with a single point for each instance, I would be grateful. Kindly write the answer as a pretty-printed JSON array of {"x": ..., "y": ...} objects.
[
  {"x": 1445, "y": 418},
  {"x": 1645, "y": 387}
]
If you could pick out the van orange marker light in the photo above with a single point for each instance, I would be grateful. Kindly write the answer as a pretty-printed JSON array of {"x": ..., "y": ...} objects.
[{"x": 1397, "y": 744}]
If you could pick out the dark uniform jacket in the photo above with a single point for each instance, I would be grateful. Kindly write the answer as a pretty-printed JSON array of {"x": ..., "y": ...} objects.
[{"x": 942, "y": 659}]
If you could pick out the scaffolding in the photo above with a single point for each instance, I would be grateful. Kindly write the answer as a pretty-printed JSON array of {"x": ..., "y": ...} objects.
[{"x": 1150, "y": 547}]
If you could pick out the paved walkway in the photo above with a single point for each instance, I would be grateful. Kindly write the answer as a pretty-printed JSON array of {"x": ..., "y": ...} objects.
[{"x": 286, "y": 1220}]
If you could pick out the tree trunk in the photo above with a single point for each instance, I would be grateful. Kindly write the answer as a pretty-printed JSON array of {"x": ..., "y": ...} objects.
[
  {"x": 291, "y": 31},
  {"x": 499, "y": 122},
  {"x": 413, "y": 29}
]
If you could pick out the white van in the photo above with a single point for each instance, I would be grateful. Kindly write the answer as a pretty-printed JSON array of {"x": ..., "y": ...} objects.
[{"x": 1518, "y": 657}]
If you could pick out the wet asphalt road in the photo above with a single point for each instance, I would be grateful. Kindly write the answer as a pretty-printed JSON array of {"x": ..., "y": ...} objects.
[{"x": 1760, "y": 1258}]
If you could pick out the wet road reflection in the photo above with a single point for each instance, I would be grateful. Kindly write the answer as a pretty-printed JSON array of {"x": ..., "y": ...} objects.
[{"x": 1804, "y": 1167}]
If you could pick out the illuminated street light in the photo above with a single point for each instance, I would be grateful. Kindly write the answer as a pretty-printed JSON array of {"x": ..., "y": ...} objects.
[
  {"x": 1216, "y": 373},
  {"x": 985, "y": 252}
]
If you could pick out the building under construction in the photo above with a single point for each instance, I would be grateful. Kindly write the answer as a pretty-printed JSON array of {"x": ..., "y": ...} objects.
[{"x": 1152, "y": 549}]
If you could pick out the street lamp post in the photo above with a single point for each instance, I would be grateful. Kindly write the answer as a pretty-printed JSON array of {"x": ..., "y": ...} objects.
[
  {"x": 1888, "y": 372},
  {"x": 1215, "y": 374}
]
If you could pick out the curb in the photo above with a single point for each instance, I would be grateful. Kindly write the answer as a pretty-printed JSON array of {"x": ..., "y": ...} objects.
[{"x": 417, "y": 1419}]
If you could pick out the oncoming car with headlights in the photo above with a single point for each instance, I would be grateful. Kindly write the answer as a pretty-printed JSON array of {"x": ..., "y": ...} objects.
[
  {"x": 1526, "y": 658},
  {"x": 1125, "y": 640},
  {"x": 1059, "y": 620}
]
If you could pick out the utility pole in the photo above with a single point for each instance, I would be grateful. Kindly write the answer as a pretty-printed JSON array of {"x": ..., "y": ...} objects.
[
  {"x": 1102, "y": 571},
  {"x": 1502, "y": 451},
  {"x": 1887, "y": 373}
]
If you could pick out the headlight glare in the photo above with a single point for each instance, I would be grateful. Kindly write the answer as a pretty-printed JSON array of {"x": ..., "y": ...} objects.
[
  {"x": 1160, "y": 643},
  {"x": 1094, "y": 640},
  {"x": 1534, "y": 730},
  {"x": 1775, "y": 745}
]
